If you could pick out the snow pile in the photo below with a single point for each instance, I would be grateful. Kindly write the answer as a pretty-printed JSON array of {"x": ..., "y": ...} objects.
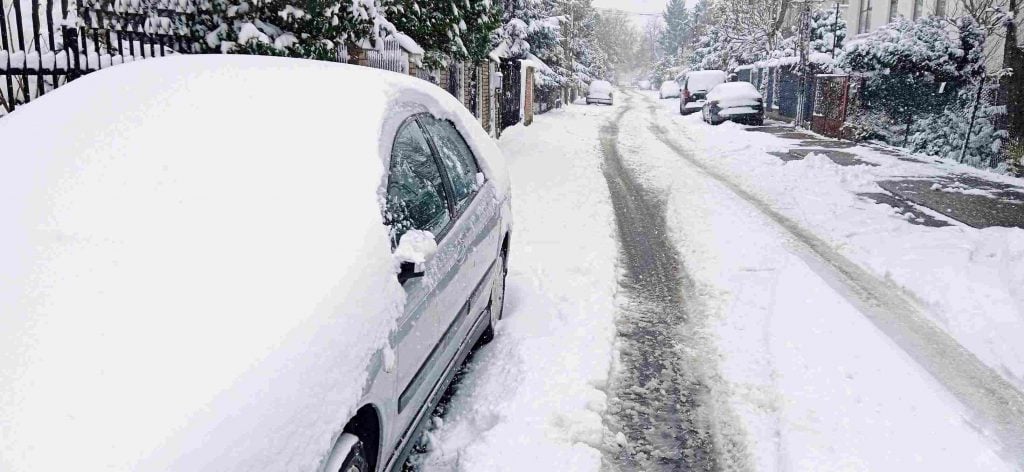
[
  {"x": 534, "y": 397},
  {"x": 186, "y": 292}
]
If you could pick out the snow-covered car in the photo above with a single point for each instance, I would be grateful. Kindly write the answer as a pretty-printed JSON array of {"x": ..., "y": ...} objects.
[
  {"x": 644, "y": 85},
  {"x": 599, "y": 91},
  {"x": 736, "y": 101},
  {"x": 281, "y": 285},
  {"x": 695, "y": 88},
  {"x": 669, "y": 89}
]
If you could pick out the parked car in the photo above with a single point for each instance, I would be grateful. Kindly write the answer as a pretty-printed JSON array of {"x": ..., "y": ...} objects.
[
  {"x": 644, "y": 84},
  {"x": 695, "y": 87},
  {"x": 669, "y": 89},
  {"x": 736, "y": 101},
  {"x": 283, "y": 285},
  {"x": 600, "y": 92}
]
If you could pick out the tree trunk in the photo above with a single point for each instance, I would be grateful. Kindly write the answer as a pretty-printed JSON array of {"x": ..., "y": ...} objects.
[{"x": 1013, "y": 57}]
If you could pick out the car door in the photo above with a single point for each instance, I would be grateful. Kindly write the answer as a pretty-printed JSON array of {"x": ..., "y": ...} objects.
[
  {"x": 417, "y": 198},
  {"x": 475, "y": 231}
]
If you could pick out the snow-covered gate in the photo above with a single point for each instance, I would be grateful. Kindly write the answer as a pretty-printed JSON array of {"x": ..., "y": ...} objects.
[
  {"x": 509, "y": 99},
  {"x": 388, "y": 55},
  {"x": 831, "y": 98},
  {"x": 47, "y": 43}
]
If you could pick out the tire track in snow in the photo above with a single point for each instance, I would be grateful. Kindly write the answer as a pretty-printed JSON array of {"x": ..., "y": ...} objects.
[
  {"x": 992, "y": 402},
  {"x": 660, "y": 398}
]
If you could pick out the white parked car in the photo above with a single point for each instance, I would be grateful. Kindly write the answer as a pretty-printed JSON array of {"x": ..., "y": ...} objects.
[
  {"x": 736, "y": 101},
  {"x": 600, "y": 91},
  {"x": 194, "y": 276},
  {"x": 695, "y": 88},
  {"x": 669, "y": 89},
  {"x": 644, "y": 85}
]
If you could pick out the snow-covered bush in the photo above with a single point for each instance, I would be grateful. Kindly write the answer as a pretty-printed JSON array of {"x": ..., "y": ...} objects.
[
  {"x": 919, "y": 85},
  {"x": 316, "y": 29},
  {"x": 447, "y": 30}
]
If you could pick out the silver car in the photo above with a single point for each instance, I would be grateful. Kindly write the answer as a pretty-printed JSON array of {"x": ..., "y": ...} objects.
[{"x": 199, "y": 271}]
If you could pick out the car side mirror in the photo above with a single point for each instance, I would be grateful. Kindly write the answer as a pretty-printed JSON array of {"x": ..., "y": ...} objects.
[
  {"x": 415, "y": 248},
  {"x": 408, "y": 271}
]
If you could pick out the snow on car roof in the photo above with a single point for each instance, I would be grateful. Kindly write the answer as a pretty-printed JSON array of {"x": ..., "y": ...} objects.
[
  {"x": 600, "y": 86},
  {"x": 187, "y": 257},
  {"x": 734, "y": 90},
  {"x": 704, "y": 79}
]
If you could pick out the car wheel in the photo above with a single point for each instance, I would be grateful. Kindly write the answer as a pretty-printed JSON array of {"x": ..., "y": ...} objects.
[
  {"x": 496, "y": 307},
  {"x": 355, "y": 461}
]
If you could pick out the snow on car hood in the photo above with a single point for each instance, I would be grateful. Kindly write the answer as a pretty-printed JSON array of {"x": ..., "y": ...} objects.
[{"x": 194, "y": 272}]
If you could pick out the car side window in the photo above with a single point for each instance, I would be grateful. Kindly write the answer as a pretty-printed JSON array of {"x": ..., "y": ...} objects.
[
  {"x": 456, "y": 157},
  {"x": 416, "y": 195}
]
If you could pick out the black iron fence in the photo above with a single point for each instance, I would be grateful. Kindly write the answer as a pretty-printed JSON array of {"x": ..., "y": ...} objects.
[{"x": 47, "y": 43}]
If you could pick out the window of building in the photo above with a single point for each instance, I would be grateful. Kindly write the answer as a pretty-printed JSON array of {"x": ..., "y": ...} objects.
[
  {"x": 893, "y": 10},
  {"x": 865, "y": 17}
]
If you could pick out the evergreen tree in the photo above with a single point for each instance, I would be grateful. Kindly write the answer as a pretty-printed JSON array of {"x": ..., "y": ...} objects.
[
  {"x": 448, "y": 29},
  {"x": 678, "y": 28},
  {"x": 315, "y": 29}
]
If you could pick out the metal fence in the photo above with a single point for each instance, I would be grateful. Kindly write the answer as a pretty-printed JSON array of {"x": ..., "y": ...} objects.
[
  {"x": 389, "y": 55},
  {"x": 46, "y": 43}
]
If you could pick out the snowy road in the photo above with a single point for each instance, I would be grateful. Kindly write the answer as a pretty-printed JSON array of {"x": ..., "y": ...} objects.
[{"x": 668, "y": 313}]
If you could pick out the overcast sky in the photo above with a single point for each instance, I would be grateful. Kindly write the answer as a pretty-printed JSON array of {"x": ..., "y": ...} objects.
[{"x": 642, "y": 10}]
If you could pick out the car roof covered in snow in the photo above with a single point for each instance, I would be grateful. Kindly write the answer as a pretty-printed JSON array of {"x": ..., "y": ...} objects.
[
  {"x": 670, "y": 85},
  {"x": 194, "y": 271},
  {"x": 734, "y": 90},
  {"x": 600, "y": 86},
  {"x": 704, "y": 79}
]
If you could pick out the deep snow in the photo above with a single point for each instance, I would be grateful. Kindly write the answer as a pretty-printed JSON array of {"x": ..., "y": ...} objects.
[{"x": 534, "y": 398}]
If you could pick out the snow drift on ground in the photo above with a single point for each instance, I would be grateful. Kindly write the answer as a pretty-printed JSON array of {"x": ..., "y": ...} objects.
[
  {"x": 534, "y": 397},
  {"x": 194, "y": 272}
]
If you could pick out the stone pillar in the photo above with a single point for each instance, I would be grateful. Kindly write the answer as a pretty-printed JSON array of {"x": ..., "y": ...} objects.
[{"x": 528, "y": 97}]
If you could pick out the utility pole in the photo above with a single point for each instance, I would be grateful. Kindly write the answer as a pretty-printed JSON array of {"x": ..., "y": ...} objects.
[
  {"x": 803, "y": 40},
  {"x": 835, "y": 31}
]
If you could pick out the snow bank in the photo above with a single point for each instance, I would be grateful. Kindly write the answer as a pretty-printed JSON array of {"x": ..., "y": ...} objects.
[
  {"x": 534, "y": 397},
  {"x": 193, "y": 274}
]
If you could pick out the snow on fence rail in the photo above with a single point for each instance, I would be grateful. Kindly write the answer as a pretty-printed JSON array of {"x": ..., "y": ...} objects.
[{"x": 46, "y": 43}]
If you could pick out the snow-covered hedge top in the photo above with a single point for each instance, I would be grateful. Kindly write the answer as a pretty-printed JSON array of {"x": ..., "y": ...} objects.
[
  {"x": 816, "y": 58},
  {"x": 731, "y": 94},
  {"x": 194, "y": 271}
]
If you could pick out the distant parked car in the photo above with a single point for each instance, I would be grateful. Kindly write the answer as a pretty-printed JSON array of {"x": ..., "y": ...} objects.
[
  {"x": 600, "y": 92},
  {"x": 736, "y": 101},
  {"x": 695, "y": 88},
  {"x": 669, "y": 89},
  {"x": 241, "y": 300},
  {"x": 644, "y": 85}
]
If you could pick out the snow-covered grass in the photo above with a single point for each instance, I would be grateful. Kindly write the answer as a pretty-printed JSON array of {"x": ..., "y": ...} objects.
[
  {"x": 971, "y": 281},
  {"x": 816, "y": 385},
  {"x": 534, "y": 397}
]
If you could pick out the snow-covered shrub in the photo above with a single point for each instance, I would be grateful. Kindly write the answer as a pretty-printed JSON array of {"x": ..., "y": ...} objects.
[
  {"x": 919, "y": 86},
  {"x": 943, "y": 134},
  {"x": 447, "y": 30},
  {"x": 316, "y": 29}
]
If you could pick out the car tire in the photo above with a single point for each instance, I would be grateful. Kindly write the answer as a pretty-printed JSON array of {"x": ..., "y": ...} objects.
[
  {"x": 497, "y": 300},
  {"x": 355, "y": 461}
]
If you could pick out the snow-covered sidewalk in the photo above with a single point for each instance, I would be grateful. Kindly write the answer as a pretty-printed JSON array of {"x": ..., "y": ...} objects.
[{"x": 534, "y": 398}]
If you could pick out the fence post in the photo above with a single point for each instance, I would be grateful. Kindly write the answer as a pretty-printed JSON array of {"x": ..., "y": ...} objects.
[
  {"x": 974, "y": 115},
  {"x": 528, "y": 98}
]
